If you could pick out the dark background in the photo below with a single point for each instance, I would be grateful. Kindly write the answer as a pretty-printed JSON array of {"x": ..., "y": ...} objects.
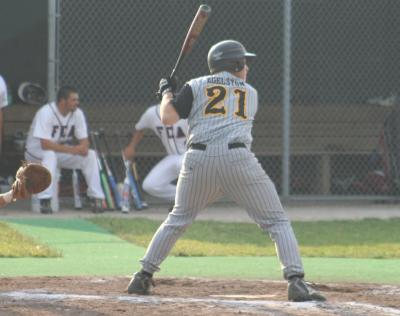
[{"x": 23, "y": 42}]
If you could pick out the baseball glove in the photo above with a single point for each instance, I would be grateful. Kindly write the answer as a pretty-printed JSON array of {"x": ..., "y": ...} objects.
[{"x": 31, "y": 178}]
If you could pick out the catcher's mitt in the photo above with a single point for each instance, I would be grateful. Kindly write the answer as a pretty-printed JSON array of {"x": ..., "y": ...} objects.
[{"x": 31, "y": 178}]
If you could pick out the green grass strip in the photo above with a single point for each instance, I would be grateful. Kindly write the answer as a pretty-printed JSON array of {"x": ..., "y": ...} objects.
[
  {"x": 17, "y": 245},
  {"x": 370, "y": 238}
]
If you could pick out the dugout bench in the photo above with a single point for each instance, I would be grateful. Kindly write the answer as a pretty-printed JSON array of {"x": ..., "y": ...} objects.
[{"x": 319, "y": 131}]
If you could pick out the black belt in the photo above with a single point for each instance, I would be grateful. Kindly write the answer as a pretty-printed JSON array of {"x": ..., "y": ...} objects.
[{"x": 199, "y": 146}]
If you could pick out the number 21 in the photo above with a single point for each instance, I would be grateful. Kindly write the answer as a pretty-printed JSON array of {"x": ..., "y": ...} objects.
[{"x": 216, "y": 106}]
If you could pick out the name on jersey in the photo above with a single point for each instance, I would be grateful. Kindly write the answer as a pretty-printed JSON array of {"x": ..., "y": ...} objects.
[{"x": 225, "y": 81}]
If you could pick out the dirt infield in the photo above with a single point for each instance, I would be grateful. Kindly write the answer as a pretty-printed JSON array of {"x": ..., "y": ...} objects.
[{"x": 87, "y": 296}]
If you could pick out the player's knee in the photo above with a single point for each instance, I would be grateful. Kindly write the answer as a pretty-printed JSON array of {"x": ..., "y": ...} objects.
[
  {"x": 179, "y": 223},
  {"x": 49, "y": 155},
  {"x": 178, "y": 228},
  {"x": 149, "y": 187}
]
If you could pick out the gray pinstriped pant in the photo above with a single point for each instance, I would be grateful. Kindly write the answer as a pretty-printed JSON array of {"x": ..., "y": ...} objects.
[{"x": 207, "y": 175}]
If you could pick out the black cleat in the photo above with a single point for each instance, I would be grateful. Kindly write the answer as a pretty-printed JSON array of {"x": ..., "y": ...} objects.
[
  {"x": 300, "y": 291},
  {"x": 96, "y": 205},
  {"x": 140, "y": 284},
  {"x": 45, "y": 206}
]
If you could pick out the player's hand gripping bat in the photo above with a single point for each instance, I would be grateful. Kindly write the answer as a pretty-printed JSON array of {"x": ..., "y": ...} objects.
[{"x": 195, "y": 29}]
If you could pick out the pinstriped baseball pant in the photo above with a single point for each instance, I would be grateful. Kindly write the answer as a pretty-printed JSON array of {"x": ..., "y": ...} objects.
[{"x": 207, "y": 175}]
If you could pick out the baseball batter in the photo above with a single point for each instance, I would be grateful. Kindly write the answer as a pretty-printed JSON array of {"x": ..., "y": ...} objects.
[
  {"x": 220, "y": 109},
  {"x": 160, "y": 180},
  {"x": 50, "y": 141}
]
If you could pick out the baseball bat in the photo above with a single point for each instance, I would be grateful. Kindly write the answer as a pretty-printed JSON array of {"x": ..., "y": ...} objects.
[
  {"x": 103, "y": 177},
  {"x": 112, "y": 184},
  {"x": 195, "y": 29},
  {"x": 138, "y": 203},
  {"x": 136, "y": 176},
  {"x": 112, "y": 180},
  {"x": 76, "y": 190},
  {"x": 109, "y": 154}
]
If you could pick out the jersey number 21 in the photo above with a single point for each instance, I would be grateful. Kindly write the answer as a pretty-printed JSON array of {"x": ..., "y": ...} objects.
[{"x": 216, "y": 96}]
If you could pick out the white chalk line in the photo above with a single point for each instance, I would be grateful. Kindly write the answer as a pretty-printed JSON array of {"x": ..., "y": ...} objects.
[{"x": 37, "y": 295}]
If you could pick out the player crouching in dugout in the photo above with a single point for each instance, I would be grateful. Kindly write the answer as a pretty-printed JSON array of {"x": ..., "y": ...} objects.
[{"x": 54, "y": 129}]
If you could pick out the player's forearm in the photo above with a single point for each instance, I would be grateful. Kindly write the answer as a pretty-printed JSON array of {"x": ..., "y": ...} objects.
[
  {"x": 6, "y": 198},
  {"x": 136, "y": 138},
  {"x": 168, "y": 113},
  {"x": 49, "y": 145}
]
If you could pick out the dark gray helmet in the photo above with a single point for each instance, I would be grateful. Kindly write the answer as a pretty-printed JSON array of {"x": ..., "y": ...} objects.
[{"x": 227, "y": 55}]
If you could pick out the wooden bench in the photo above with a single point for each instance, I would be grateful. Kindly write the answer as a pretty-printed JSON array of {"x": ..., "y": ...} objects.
[{"x": 321, "y": 131}]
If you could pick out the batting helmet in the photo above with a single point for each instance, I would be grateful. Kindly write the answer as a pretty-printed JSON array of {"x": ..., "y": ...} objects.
[
  {"x": 227, "y": 55},
  {"x": 32, "y": 93}
]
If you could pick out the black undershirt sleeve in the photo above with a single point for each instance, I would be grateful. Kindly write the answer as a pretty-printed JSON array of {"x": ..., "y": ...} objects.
[{"x": 182, "y": 102}]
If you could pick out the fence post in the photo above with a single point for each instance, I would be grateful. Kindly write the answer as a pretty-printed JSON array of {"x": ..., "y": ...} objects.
[
  {"x": 287, "y": 21},
  {"x": 52, "y": 49}
]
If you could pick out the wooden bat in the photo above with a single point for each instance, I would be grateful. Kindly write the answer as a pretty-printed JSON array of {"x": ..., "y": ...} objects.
[{"x": 195, "y": 29}]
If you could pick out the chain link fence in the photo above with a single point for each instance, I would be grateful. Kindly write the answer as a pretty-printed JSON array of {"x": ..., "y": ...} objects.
[{"x": 344, "y": 80}]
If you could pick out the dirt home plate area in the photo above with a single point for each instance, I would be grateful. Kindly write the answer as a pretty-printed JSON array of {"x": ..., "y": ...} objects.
[{"x": 86, "y": 296}]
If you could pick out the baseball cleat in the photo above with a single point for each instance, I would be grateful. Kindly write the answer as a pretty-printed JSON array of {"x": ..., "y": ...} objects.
[
  {"x": 45, "y": 206},
  {"x": 140, "y": 284},
  {"x": 96, "y": 205},
  {"x": 300, "y": 291}
]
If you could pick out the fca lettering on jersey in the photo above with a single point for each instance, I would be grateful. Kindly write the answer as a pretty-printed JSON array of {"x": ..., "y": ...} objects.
[
  {"x": 226, "y": 81},
  {"x": 170, "y": 131},
  {"x": 63, "y": 131}
]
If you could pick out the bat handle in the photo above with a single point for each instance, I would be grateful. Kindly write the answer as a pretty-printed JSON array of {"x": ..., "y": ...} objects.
[{"x": 173, "y": 73}]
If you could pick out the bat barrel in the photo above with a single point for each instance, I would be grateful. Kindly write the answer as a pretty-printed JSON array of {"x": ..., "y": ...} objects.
[{"x": 195, "y": 29}]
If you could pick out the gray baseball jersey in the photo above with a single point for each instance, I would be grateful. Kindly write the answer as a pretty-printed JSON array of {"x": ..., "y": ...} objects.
[{"x": 221, "y": 112}]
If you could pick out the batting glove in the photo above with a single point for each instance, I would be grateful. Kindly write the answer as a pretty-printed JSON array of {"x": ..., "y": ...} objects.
[{"x": 166, "y": 85}]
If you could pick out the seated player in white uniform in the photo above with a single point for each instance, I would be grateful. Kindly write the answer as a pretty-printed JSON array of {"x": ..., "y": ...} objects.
[
  {"x": 50, "y": 142},
  {"x": 3, "y": 103},
  {"x": 160, "y": 181}
]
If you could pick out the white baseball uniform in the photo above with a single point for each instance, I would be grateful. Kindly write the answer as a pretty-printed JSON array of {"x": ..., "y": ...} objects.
[
  {"x": 50, "y": 124},
  {"x": 3, "y": 93},
  {"x": 159, "y": 181}
]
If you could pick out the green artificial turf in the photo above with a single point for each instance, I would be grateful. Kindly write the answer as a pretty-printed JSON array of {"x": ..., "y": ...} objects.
[{"x": 90, "y": 250}]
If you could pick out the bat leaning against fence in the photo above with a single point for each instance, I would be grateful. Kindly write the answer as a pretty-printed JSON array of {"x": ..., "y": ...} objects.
[
  {"x": 76, "y": 189},
  {"x": 103, "y": 176},
  {"x": 109, "y": 154},
  {"x": 139, "y": 204},
  {"x": 136, "y": 176},
  {"x": 112, "y": 179}
]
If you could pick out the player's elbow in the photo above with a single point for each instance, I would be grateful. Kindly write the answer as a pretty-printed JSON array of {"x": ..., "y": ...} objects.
[{"x": 169, "y": 119}]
